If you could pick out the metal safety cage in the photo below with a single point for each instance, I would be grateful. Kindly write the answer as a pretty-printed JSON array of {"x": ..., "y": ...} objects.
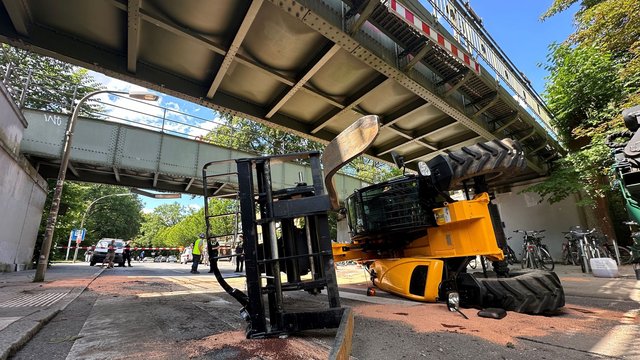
[
  {"x": 396, "y": 205},
  {"x": 273, "y": 244}
]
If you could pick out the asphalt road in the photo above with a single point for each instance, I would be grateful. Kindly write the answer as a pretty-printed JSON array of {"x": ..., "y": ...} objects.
[{"x": 160, "y": 311}]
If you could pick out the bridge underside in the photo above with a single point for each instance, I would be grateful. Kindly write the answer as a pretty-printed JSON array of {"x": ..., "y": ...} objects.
[
  {"x": 48, "y": 168},
  {"x": 310, "y": 67}
]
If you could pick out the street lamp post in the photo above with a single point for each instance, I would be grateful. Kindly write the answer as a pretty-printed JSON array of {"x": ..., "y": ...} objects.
[{"x": 66, "y": 152}]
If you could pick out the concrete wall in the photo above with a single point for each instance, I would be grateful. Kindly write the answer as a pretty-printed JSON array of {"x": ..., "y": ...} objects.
[
  {"x": 22, "y": 191},
  {"x": 524, "y": 211}
]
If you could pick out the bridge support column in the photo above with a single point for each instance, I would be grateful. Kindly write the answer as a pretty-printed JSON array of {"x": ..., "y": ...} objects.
[{"x": 22, "y": 191}]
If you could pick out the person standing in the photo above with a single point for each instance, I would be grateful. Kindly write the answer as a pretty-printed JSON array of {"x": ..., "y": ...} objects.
[
  {"x": 197, "y": 253},
  {"x": 213, "y": 249},
  {"x": 240, "y": 255},
  {"x": 126, "y": 254},
  {"x": 111, "y": 254}
]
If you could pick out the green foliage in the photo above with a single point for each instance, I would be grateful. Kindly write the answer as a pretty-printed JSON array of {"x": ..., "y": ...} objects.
[
  {"x": 592, "y": 77},
  {"x": 113, "y": 216},
  {"x": 559, "y": 6},
  {"x": 52, "y": 83},
  {"x": 252, "y": 136},
  {"x": 579, "y": 171},
  {"x": 583, "y": 90},
  {"x": 183, "y": 233}
]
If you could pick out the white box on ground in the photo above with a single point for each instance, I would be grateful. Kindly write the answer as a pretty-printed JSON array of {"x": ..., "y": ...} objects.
[{"x": 604, "y": 267}]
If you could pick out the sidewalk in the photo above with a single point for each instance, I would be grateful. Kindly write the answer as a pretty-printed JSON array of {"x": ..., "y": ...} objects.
[
  {"x": 623, "y": 288},
  {"x": 26, "y": 306}
]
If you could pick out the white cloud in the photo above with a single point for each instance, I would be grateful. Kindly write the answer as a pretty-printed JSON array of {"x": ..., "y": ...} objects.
[
  {"x": 164, "y": 114},
  {"x": 194, "y": 207}
]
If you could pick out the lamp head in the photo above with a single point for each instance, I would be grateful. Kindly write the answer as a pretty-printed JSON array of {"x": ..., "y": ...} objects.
[{"x": 143, "y": 95}]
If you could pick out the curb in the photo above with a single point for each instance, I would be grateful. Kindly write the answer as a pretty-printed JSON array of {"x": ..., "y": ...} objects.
[
  {"x": 24, "y": 329},
  {"x": 344, "y": 337}
]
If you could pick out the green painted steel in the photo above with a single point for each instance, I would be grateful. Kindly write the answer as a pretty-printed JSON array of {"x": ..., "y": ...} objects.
[{"x": 110, "y": 145}]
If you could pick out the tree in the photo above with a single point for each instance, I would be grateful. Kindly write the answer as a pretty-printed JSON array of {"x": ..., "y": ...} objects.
[
  {"x": 170, "y": 214},
  {"x": 52, "y": 83},
  {"x": 592, "y": 76},
  {"x": 162, "y": 217},
  {"x": 113, "y": 217}
]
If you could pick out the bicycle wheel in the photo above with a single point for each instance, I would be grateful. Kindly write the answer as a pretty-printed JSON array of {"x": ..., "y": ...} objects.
[
  {"x": 625, "y": 255},
  {"x": 525, "y": 260},
  {"x": 581, "y": 258},
  {"x": 566, "y": 256},
  {"x": 546, "y": 262},
  {"x": 511, "y": 256}
]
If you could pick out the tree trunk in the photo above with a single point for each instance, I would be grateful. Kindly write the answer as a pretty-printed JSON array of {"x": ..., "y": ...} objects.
[{"x": 599, "y": 216}]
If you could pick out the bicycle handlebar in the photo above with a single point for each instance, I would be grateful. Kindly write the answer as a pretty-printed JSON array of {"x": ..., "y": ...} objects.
[{"x": 582, "y": 233}]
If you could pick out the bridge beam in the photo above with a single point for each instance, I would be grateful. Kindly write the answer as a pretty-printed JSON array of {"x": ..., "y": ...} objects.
[
  {"x": 133, "y": 34},
  {"x": 19, "y": 15},
  {"x": 235, "y": 46},
  {"x": 73, "y": 170},
  {"x": 186, "y": 188},
  {"x": 352, "y": 102},
  {"x": 315, "y": 66},
  {"x": 486, "y": 107},
  {"x": 116, "y": 173},
  {"x": 178, "y": 30},
  {"x": 407, "y": 110},
  {"x": 510, "y": 120},
  {"x": 365, "y": 13},
  {"x": 468, "y": 137},
  {"x": 418, "y": 57},
  {"x": 419, "y": 135}
]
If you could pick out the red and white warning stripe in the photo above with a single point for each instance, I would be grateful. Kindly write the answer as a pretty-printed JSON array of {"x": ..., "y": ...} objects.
[
  {"x": 422, "y": 27},
  {"x": 133, "y": 248}
]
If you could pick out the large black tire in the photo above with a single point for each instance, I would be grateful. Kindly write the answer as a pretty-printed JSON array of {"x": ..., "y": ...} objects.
[
  {"x": 489, "y": 158},
  {"x": 531, "y": 292}
]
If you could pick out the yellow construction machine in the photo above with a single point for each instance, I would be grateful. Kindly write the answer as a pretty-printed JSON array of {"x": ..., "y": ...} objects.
[
  {"x": 413, "y": 238},
  {"x": 416, "y": 241}
]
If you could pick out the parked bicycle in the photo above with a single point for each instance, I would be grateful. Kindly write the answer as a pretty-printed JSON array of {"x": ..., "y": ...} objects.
[
  {"x": 510, "y": 255},
  {"x": 571, "y": 250},
  {"x": 607, "y": 248},
  {"x": 585, "y": 244},
  {"x": 535, "y": 254}
]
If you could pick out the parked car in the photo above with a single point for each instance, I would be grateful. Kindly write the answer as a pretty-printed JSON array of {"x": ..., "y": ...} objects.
[
  {"x": 186, "y": 256},
  {"x": 101, "y": 249},
  {"x": 172, "y": 258}
]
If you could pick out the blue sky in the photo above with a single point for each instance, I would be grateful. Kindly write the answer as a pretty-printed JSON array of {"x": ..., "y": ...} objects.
[
  {"x": 517, "y": 28},
  {"x": 514, "y": 25}
]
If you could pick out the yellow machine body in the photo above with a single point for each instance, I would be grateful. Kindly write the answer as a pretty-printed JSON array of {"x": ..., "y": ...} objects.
[
  {"x": 416, "y": 278},
  {"x": 464, "y": 229}
]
